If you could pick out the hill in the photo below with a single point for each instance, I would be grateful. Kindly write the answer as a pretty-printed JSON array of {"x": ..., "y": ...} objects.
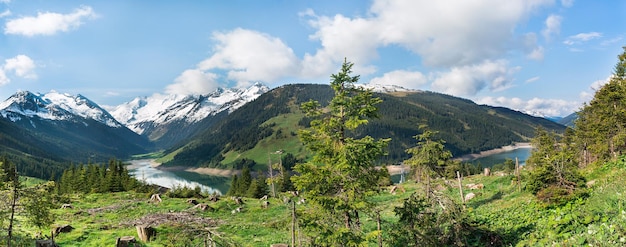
[
  {"x": 270, "y": 123},
  {"x": 46, "y": 132}
]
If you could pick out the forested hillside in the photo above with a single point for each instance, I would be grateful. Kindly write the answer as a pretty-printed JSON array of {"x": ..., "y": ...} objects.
[{"x": 271, "y": 121}]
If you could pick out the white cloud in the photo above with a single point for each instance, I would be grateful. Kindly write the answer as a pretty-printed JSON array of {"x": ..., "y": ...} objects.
[
  {"x": 407, "y": 79},
  {"x": 469, "y": 80},
  {"x": 533, "y": 79},
  {"x": 5, "y": 13},
  {"x": 49, "y": 23},
  {"x": 193, "y": 81},
  {"x": 251, "y": 56},
  {"x": 3, "y": 78},
  {"x": 536, "y": 54},
  {"x": 567, "y": 3},
  {"x": 22, "y": 66},
  {"x": 5, "y": 1},
  {"x": 581, "y": 38},
  {"x": 553, "y": 26},
  {"x": 443, "y": 34},
  {"x": 534, "y": 106}
]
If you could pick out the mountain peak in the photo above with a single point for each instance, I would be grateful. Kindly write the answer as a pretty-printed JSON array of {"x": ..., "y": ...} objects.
[
  {"x": 159, "y": 110},
  {"x": 54, "y": 106}
]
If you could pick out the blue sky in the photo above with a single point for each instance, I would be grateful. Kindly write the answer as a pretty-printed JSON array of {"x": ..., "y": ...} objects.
[{"x": 540, "y": 56}]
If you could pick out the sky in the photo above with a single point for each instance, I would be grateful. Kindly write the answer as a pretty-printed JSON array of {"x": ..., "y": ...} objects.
[{"x": 545, "y": 57}]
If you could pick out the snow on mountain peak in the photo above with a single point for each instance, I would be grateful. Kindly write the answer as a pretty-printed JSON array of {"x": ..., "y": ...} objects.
[
  {"x": 383, "y": 88},
  {"x": 160, "y": 109},
  {"x": 54, "y": 106}
]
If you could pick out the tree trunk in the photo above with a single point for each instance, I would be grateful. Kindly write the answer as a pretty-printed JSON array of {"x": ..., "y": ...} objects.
[
  {"x": 458, "y": 176},
  {"x": 293, "y": 223}
]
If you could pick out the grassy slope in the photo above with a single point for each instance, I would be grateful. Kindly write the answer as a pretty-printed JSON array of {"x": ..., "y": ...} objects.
[{"x": 516, "y": 216}]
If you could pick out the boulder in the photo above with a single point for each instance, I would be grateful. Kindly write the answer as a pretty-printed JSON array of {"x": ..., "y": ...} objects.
[
  {"x": 192, "y": 201},
  {"x": 469, "y": 196}
]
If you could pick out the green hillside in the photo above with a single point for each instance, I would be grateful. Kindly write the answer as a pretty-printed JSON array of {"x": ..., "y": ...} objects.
[
  {"x": 270, "y": 123},
  {"x": 509, "y": 217}
]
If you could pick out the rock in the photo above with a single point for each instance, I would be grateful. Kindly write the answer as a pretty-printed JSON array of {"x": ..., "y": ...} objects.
[
  {"x": 214, "y": 197},
  {"x": 126, "y": 241},
  {"x": 67, "y": 206},
  {"x": 279, "y": 245},
  {"x": 487, "y": 171},
  {"x": 469, "y": 196},
  {"x": 192, "y": 201}
]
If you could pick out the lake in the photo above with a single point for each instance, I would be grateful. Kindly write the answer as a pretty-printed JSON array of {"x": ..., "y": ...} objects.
[
  {"x": 521, "y": 153},
  {"x": 144, "y": 171}
]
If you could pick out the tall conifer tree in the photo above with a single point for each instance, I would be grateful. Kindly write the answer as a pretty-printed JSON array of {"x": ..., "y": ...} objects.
[{"x": 341, "y": 175}]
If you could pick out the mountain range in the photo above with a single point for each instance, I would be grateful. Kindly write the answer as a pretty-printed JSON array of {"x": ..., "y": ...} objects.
[{"x": 223, "y": 127}]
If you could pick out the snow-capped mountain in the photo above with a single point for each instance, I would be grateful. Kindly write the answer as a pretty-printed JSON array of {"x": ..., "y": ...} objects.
[
  {"x": 65, "y": 127},
  {"x": 158, "y": 115},
  {"x": 54, "y": 106},
  {"x": 380, "y": 88}
]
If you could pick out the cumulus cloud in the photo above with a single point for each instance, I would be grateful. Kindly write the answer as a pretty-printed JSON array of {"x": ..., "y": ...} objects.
[
  {"x": 442, "y": 34},
  {"x": 534, "y": 106},
  {"x": 193, "y": 81},
  {"x": 469, "y": 80},
  {"x": 407, "y": 79},
  {"x": 48, "y": 23},
  {"x": 581, "y": 38},
  {"x": 553, "y": 26},
  {"x": 250, "y": 55},
  {"x": 22, "y": 66}
]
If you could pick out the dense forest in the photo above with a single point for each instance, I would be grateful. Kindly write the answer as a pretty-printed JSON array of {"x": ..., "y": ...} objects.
[{"x": 466, "y": 126}]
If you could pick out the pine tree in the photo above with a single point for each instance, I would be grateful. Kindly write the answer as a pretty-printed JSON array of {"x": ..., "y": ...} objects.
[
  {"x": 338, "y": 179},
  {"x": 428, "y": 156},
  {"x": 234, "y": 186},
  {"x": 601, "y": 124},
  {"x": 243, "y": 183}
]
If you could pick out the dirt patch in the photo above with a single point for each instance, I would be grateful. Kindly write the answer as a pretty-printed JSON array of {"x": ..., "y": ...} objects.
[{"x": 182, "y": 218}]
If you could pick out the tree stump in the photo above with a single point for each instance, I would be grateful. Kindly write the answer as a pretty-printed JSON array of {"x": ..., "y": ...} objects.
[
  {"x": 45, "y": 243},
  {"x": 145, "y": 233},
  {"x": 126, "y": 241},
  {"x": 60, "y": 229}
]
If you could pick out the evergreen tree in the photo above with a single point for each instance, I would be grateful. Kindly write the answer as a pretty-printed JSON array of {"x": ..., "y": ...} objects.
[
  {"x": 428, "y": 157},
  {"x": 243, "y": 183},
  {"x": 258, "y": 188},
  {"x": 554, "y": 176},
  {"x": 601, "y": 124},
  {"x": 234, "y": 186},
  {"x": 338, "y": 179}
]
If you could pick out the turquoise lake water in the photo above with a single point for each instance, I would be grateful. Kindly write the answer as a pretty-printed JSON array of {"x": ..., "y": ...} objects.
[{"x": 142, "y": 170}]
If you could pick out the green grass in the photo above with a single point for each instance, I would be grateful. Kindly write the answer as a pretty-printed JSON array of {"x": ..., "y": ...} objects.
[{"x": 516, "y": 216}]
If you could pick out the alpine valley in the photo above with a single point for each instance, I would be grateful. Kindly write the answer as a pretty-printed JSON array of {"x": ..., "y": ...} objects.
[{"x": 47, "y": 132}]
